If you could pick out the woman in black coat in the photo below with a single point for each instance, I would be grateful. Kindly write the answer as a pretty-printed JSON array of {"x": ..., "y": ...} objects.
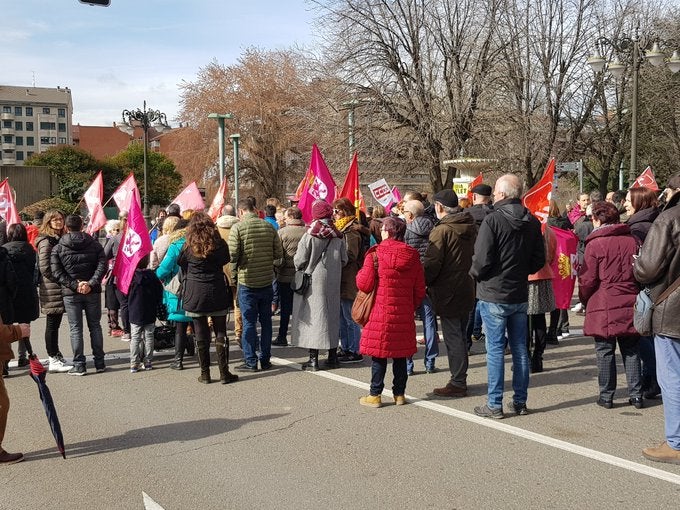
[
  {"x": 22, "y": 256},
  {"x": 642, "y": 207},
  {"x": 206, "y": 293}
]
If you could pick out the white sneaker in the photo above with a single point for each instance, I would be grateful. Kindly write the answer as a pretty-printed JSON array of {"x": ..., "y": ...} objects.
[
  {"x": 577, "y": 308},
  {"x": 562, "y": 336},
  {"x": 58, "y": 365},
  {"x": 125, "y": 337}
]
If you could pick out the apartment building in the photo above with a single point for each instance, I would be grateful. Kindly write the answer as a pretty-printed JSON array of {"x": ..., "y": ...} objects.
[{"x": 33, "y": 119}]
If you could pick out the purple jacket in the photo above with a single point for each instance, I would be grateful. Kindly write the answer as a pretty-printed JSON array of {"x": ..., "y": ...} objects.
[{"x": 607, "y": 286}]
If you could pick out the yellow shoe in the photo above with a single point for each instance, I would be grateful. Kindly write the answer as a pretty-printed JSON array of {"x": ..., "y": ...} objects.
[
  {"x": 400, "y": 400},
  {"x": 371, "y": 401}
]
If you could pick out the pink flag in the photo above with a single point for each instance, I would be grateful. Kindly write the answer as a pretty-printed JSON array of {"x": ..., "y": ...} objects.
[
  {"x": 93, "y": 199},
  {"x": 190, "y": 198},
  {"x": 218, "y": 202},
  {"x": 396, "y": 196},
  {"x": 564, "y": 267},
  {"x": 123, "y": 195},
  {"x": 646, "y": 180},
  {"x": 134, "y": 245},
  {"x": 320, "y": 185},
  {"x": 7, "y": 208}
]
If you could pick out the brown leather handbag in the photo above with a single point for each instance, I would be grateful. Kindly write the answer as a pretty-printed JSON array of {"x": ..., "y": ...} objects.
[{"x": 363, "y": 303}]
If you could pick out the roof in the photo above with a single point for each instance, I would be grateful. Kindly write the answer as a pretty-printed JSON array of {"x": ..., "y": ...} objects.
[{"x": 35, "y": 95}]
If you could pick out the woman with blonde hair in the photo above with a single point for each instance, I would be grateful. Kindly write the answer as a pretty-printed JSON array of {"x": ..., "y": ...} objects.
[{"x": 160, "y": 247}]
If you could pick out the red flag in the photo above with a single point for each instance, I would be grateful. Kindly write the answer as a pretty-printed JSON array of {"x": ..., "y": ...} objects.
[
  {"x": 350, "y": 188},
  {"x": 301, "y": 186},
  {"x": 93, "y": 200},
  {"x": 320, "y": 185},
  {"x": 124, "y": 193},
  {"x": 190, "y": 198},
  {"x": 537, "y": 199},
  {"x": 7, "y": 208},
  {"x": 564, "y": 267},
  {"x": 134, "y": 245},
  {"x": 477, "y": 180},
  {"x": 218, "y": 202},
  {"x": 646, "y": 180}
]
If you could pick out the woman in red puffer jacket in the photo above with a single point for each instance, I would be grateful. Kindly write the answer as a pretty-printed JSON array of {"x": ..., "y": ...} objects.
[
  {"x": 608, "y": 288},
  {"x": 391, "y": 330}
]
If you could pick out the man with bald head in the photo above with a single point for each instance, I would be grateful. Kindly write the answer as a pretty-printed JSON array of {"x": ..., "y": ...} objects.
[{"x": 509, "y": 247}]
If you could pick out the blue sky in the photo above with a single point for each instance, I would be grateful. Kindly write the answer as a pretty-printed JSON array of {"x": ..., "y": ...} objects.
[{"x": 115, "y": 57}]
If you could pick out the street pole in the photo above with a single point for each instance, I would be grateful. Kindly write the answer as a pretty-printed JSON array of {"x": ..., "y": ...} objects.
[
  {"x": 632, "y": 171},
  {"x": 220, "y": 130},
  {"x": 235, "y": 138},
  {"x": 147, "y": 216}
]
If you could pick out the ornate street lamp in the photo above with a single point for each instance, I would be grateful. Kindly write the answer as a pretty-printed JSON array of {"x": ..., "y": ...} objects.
[
  {"x": 145, "y": 119},
  {"x": 633, "y": 52}
]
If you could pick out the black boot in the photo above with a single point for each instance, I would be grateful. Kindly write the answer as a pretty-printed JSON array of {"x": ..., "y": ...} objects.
[
  {"x": 180, "y": 341},
  {"x": 313, "y": 364},
  {"x": 191, "y": 345},
  {"x": 222, "y": 347},
  {"x": 203, "y": 349},
  {"x": 539, "y": 349},
  {"x": 551, "y": 337},
  {"x": 332, "y": 361}
]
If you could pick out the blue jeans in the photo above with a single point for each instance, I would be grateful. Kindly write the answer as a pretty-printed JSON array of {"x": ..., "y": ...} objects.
[
  {"x": 668, "y": 374},
  {"x": 378, "y": 370},
  {"x": 91, "y": 304},
  {"x": 498, "y": 317},
  {"x": 350, "y": 332},
  {"x": 426, "y": 312},
  {"x": 256, "y": 305}
]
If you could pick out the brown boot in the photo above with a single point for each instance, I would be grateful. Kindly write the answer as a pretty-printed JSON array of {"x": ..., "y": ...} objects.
[
  {"x": 222, "y": 348},
  {"x": 450, "y": 391},
  {"x": 10, "y": 458},
  {"x": 662, "y": 453}
]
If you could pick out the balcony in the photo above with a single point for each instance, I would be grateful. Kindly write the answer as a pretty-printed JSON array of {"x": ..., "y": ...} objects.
[
  {"x": 9, "y": 159},
  {"x": 8, "y": 146},
  {"x": 6, "y": 116}
]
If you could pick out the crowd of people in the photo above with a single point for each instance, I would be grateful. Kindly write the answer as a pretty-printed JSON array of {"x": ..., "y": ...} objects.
[{"x": 473, "y": 271}]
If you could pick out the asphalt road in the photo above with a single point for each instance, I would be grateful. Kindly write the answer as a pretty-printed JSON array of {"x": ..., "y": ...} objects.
[{"x": 290, "y": 439}]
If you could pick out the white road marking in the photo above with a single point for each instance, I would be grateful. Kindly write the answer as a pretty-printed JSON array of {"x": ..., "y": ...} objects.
[
  {"x": 150, "y": 504},
  {"x": 503, "y": 427}
]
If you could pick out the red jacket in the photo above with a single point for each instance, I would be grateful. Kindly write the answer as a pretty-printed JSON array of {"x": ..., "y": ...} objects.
[
  {"x": 391, "y": 329},
  {"x": 606, "y": 283}
]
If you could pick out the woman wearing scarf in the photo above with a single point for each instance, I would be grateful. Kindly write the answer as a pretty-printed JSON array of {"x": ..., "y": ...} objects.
[
  {"x": 350, "y": 332},
  {"x": 322, "y": 253}
]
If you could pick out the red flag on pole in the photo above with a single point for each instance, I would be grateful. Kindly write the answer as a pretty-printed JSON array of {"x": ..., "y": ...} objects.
[
  {"x": 124, "y": 193},
  {"x": 350, "y": 188},
  {"x": 218, "y": 202},
  {"x": 646, "y": 180},
  {"x": 320, "y": 185},
  {"x": 477, "y": 180},
  {"x": 93, "y": 200},
  {"x": 190, "y": 198},
  {"x": 8, "y": 209},
  {"x": 135, "y": 244},
  {"x": 537, "y": 199}
]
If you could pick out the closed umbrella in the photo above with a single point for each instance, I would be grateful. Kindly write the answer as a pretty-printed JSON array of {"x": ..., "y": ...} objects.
[{"x": 38, "y": 373}]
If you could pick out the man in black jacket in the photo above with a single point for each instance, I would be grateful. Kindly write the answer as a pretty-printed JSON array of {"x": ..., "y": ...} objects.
[
  {"x": 508, "y": 249},
  {"x": 79, "y": 264}
]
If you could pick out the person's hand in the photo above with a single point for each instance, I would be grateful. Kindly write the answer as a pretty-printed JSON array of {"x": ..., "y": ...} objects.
[
  {"x": 84, "y": 288},
  {"x": 25, "y": 330}
]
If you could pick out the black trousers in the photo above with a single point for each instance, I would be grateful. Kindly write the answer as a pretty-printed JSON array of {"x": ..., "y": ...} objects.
[{"x": 378, "y": 370}]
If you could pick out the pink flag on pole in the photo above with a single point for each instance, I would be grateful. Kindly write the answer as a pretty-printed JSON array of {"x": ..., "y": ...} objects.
[
  {"x": 93, "y": 200},
  {"x": 190, "y": 198},
  {"x": 564, "y": 267},
  {"x": 124, "y": 193},
  {"x": 134, "y": 245},
  {"x": 646, "y": 180},
  {"x": 320, "y": 185},
  {"x": 218, "y": 202},
  {"x": 8, "y": 210}
]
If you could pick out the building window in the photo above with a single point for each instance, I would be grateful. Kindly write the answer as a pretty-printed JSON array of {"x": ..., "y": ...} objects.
[
  {"x": 29, "y": 126},
  {"x": 48, "y": 140},
  {"x": 19, "y": 140},
  {"x": 48, "y": 126},
  {"x": 7, "y": 124},
  {"x": 18, "y": 111},
  {"x": 19, "y": 125},
  {"x": 8, "y": 138},
  {"x": 61, "y": 112},
  {"x": 46, "y": 110},
  {"x": 29, "y": 111},
  {"x": 62, "y": 127},
  {"x": 62, "y": 141},
  {"x": 20, "y": 155},
  {"x": 30, "y": 140},
  {"x": 6, "y": 109}
]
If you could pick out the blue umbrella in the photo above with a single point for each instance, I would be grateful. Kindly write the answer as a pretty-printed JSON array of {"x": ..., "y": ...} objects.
[{"x": 38, "y": 373}]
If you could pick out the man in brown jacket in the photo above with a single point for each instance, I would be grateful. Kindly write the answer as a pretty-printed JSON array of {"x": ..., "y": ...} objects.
[
  {"x": 8, "y": 334},
  {"x": 447, "y": 261}
]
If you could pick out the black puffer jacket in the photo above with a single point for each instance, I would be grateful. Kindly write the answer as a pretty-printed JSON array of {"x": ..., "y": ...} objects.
[
  {"x": 8, "y": 287},
  {"x": 205, "y": 285},
  {"x": 508, "y": 249},
  {"x": 417, "y": 234},
  {"x": 51, "y": 299},
  {"x": 78, "y": 257},
  {"x": 641, "y": 221},
  {"x": 479, "y": 212},
  {"x": 22, "y": 255}
]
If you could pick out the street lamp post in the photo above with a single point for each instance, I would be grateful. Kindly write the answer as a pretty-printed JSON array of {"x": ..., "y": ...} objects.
[
  {"x": 220, "y": 130},
  {"x": 235, "y": 139},
  {"x": 634, "y": 53},
  {"x": 145, "y": 119}
]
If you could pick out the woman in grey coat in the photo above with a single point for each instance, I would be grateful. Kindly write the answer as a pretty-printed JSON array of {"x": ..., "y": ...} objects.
[{"x": 322, "y": 252}]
